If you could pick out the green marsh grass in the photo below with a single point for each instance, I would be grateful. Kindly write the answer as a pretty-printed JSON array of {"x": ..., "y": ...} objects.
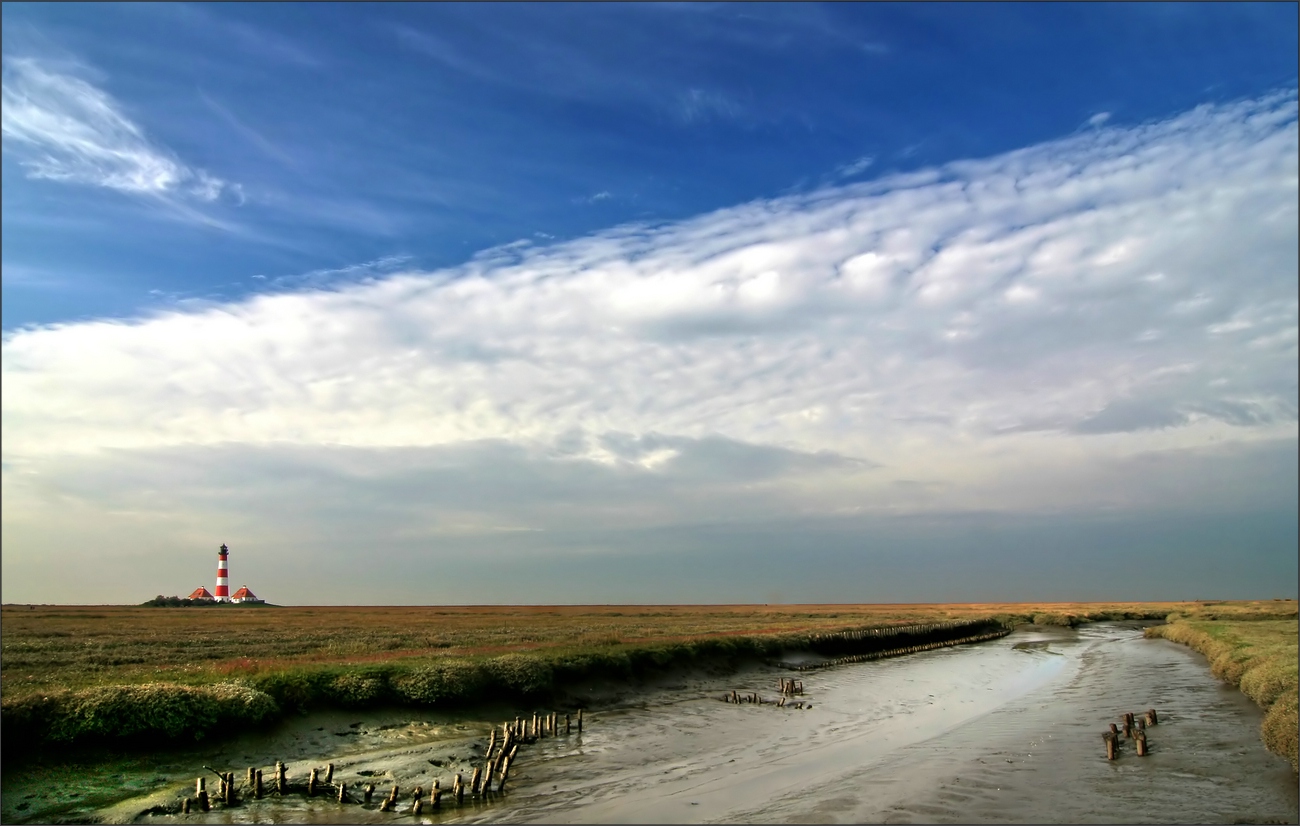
[{"x": 1254, "y": 650}]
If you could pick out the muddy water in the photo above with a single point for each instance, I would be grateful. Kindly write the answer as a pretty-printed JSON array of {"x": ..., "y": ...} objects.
[{"x": 1005, "y": 731}]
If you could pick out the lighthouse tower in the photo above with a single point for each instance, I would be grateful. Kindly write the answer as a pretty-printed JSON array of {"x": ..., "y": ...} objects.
[{"x": 222, "y": 593}]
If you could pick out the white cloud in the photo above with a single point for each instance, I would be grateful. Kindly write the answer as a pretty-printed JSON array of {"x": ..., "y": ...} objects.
[
  {"x": 850, "y": 170},
  {"x": 64, "y": 129},
  {"x": 1018, "y": 333}
]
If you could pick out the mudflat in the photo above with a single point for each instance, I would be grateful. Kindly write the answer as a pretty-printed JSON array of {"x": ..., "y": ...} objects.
[{"x": 1003, "y": 731}]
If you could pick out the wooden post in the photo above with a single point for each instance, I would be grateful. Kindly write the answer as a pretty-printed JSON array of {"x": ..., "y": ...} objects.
[
  {"x": 436, "y": 794},
  {"x": 458, "y": 789},
  {"x": 568, "y": 726},
  {"x": 1142, "y": 743},
  {"x": 417, "y": 799},
  {"x": 201, "y": 792},
  {"x": 1111, "y": 745},
  {"x": 392, "y": 796},
  {"x": 257, "y": 785},
  {"x": 580, "y": 721},
  {"x": 252, "y": 772},
  {"x": 343, "y": 792},
  {"x": 492, "y": 743},
  {"x": 221, "y": 789},
  {"x": 474, "y": 780},
  {"x": 329, "y": 772},
  {"x": 417, "y": 806},
  {"x": 368, "y": 792},
  {"x": 311, "y": 783},
  {"x": 281, "y": 777},
  {"x": 230, "y": 788},
  {"x": 185, "y": 806},
  {"x": 1152, "y": 720}
]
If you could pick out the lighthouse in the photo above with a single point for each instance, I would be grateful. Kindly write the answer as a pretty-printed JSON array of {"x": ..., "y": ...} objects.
[{"x": 222, "y": 593}]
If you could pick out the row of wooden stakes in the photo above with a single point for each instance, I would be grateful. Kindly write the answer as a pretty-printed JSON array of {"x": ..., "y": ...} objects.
[
  {"x": 496, "y": 766},
  {"x": 898, "y": 652},
  {"x": 890, "y": 631},
  {"x": 1135, "y": 729}
]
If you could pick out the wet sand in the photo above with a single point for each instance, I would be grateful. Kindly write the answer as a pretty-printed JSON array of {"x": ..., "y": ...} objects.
[{"x": 1004, "y": 731}]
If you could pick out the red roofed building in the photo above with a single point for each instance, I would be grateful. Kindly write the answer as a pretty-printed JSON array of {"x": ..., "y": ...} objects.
[
  {"x": 244, "y": 595},
  {"x": 201, "y": 593}
]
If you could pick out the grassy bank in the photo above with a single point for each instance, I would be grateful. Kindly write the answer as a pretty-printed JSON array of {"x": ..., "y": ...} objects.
[
  {"x": 1255, "y": 651},
  {"x": 74, "y": 674}
]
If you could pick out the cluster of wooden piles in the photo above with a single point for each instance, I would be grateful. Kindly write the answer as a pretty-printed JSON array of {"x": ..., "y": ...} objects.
[
  {"x": 487, "y": 780},
  {"x": 788, "y": 688},
  {"x": 1135, "y": 729}
]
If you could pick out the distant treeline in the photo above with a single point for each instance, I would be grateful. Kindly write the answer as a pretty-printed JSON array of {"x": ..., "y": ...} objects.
[{"x": 161, "y": 601}]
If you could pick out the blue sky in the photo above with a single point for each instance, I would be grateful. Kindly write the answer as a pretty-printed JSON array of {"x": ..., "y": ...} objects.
[{"x": 590, "y": 286}]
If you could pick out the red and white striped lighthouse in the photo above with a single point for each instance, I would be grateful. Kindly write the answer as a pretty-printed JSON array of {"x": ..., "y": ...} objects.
[{"x": 223, "y": 575}]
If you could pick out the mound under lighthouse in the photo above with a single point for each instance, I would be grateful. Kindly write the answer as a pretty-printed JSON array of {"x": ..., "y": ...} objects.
[{"x": 222, "y": 594}]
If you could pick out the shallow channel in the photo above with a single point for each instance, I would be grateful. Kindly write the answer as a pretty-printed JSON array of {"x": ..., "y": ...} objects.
[{"x": 1004, "y": 731}]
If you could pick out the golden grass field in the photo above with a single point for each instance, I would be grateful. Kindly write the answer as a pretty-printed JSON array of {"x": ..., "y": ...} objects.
[
  {"x": 53, "y": 647},
  {"x": 69, "y": 671}
]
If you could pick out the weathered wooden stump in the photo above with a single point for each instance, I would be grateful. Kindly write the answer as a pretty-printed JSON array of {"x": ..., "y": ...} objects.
[
  {"x": 368, "y": 792},
  {"x": 474, "y": 780},
  {"x": 185, "y": 806},
  {"x": 201, "y": 792},
  {"x": 1112, "y": 745},
  {"x": 435, "y": 796},
  {"x": 1152, "y": 719},
  {"x": 311, "y": 783},
  {"x": 329, "y": 772},
  {"x": 580, "y": 721},
  {"x": 230, "y": 789},
  {"x": 281, "y": 778},
  {"x": 568, "y": 728},
  {"x": 343, "y": 792},
  {"x": 252, "y": 773},
  {"x": 417, "y": 806},
  {"x": 458, "y": 789},
  {"x": 257, "y": 785},
  {"x": 1141, "y": 743}
]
